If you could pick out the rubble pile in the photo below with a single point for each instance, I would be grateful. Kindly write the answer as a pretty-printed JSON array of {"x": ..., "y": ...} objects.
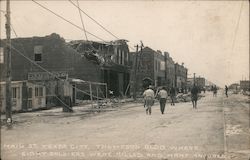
[
  {"x": 181, "y": 97},
  {"x": 246, "y": 93}
]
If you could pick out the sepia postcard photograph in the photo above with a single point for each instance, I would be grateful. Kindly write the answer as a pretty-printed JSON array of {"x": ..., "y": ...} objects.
[{"x": 124, "y": 80}]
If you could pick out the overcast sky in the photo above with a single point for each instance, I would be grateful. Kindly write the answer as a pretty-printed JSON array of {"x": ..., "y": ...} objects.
[{"x": 210, "y": 37}]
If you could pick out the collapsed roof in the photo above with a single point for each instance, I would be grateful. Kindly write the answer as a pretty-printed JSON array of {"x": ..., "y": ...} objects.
[
  {"x": 86, "y": 49},
  {"x": 91, "y": 49}
]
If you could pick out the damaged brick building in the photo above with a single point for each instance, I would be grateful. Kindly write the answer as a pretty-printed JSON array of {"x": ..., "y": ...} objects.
[
  {"x": 112, "y": 58},
  {"x": 86, "y": 60},
  {"x": 151, "y": 68},
  {"x": 160, "y": 68}
]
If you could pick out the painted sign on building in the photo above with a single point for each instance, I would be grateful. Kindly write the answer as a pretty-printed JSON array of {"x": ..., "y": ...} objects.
[{"x": 38, "y": 76}]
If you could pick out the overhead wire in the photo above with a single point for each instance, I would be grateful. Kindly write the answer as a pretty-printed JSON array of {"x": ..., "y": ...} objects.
[
  {"x": 67, "y": 20},
  {"x": 93, "y": 48},
  {"x": 97, "y": 22},
  {"x": 237, "y": 26},
  {"x": 84, "y": 29},
  {"x": 83, "y": 26},
  {"x": 12, "y": 28},
  {"x": 77, "y": 25},
  {"x": 92, "y": 19},
  {"x": 235, "y": 33},
  {"x": 80, "y": 10}
]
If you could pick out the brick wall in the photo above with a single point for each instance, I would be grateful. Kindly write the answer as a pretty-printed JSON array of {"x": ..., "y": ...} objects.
[{"x": 56, "y": 56}]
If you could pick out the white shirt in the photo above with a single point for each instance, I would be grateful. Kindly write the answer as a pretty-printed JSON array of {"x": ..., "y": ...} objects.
[
  {"x": 163, "y": 93},
  {"x": 149, "y": 93}
]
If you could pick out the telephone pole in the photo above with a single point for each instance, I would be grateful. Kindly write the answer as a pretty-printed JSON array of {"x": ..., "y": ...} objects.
[
  {"x": 194, "y": 79},
  {"x": 8, "y": 65},
  {"x": 135, "y": 70},
  {"x": 136, "y": 67},
  {"x": 139, "y": 60}
]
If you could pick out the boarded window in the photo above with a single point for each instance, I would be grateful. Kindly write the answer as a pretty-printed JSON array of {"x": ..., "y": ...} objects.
[
  {"x": 36, "y": 91},
  {"x": 39, "y": 91},
  {"x": 38, "y": 50},
  {"x": 15, "y": 92},
  {"x": 30, "y": 93}
]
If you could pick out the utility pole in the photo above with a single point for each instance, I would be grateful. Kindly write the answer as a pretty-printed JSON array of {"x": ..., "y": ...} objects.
[
  {"x": 137, "y": 66},
  {"x": 139, "y": 60},
  {"x": 8, "y": 65},
  {"x": 135, "y": 72},
  {"x": 194, "y": 78},
  {"x": 166, "y": 69}
]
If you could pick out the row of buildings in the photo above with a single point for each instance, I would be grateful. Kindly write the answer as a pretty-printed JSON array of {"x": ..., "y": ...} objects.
[
  {"x": 244, "y": 85},
  {"x": 158, "y": 69},
  {"x": 47, "y": 69}
]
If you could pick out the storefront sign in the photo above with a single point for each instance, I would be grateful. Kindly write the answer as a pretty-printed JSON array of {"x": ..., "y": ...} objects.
[{"x": 38, "y": 76}]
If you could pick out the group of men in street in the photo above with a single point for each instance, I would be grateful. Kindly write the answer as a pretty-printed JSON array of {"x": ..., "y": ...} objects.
[{"x": 162, "y": 95}]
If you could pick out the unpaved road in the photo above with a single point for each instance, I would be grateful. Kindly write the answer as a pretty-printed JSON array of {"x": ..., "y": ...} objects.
[{"x": 218, "y": 129}]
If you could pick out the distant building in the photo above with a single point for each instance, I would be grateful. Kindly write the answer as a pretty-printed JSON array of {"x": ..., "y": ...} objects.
[
  {"x": 180, "y": 76},
  {"x": 234, "y": 86},
  {"x": 151, "y": 67},
  {"x": 190, "y": 83},
  {"x": 200, "y": 82},
  {"x": 159, "y": 69},
  {"x": 170, "y": 71},
  {"x": 245, "y": 85}
]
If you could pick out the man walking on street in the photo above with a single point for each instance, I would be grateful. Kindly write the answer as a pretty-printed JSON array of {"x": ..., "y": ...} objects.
[
  {"x": 194, "y": 96},
  {"x": 226, "y": 89},
  {"x": 215, "y": 91},
  {"x": 148, "y": 99},
  {"x": 163, "y": 94},
  {"x": 172, "y": 95}
]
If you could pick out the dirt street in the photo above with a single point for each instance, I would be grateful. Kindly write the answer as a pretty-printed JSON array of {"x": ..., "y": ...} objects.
[{"x": 218, "y": 129}]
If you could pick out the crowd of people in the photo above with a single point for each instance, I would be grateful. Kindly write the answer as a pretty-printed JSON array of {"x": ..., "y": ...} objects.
[{"x": 162, "y": 94}]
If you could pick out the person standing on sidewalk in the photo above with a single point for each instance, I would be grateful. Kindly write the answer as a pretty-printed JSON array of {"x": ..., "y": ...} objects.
[
  {"x": 194, "y": 96},
  {"x": 162, "y": 94},
  {"x": 149, "y": 96},
  {"x": 172, "y": 95}
]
